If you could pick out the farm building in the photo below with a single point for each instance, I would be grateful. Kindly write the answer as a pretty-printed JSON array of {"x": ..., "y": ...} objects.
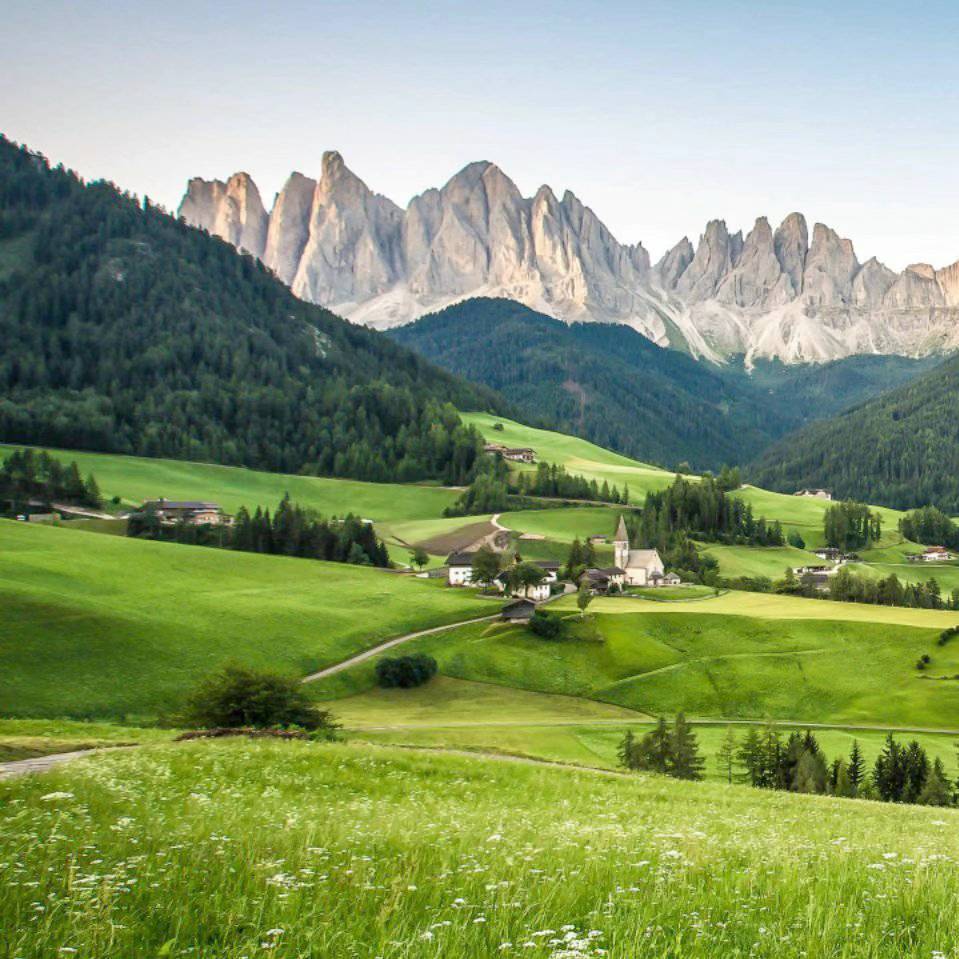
[
  {"x": 517, "y": 454},
  {"x": 459, "y": 569},
  {"x": 193, "y": 512},
  {"x": 520, "y": 611},
  {"x": 814, "y": 493},
  {"x": 932, "y": 554},
  {"x": 600, "y": 580}
]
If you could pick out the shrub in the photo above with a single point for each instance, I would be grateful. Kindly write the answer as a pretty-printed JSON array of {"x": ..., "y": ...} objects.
[
  {"x": 545, "y": 625},
  {"x": 405, "y": 672},
  {"x": 238, "y": 697},
  {"x": 947, "y": 634}
]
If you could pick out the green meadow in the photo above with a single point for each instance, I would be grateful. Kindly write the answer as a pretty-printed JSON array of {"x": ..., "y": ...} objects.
[
  {"x": 135, "y": 479},
  {"x": 298, "y": 849},
  {"x": 709, "y": 666},
  {"x": 103, "y": 626}
]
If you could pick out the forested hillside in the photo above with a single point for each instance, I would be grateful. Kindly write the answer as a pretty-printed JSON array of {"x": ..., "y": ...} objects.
[
  {"x": 900, "y": 449},
  {"x": 123, "y": 330},
  {"x": 604, "y": 382},
  {"x": 613, "y": 386}
]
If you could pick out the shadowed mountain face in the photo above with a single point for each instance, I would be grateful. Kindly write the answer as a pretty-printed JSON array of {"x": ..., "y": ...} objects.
[
  {"x": 775, "y": 293},
  {"x": 609, "y": 384}
]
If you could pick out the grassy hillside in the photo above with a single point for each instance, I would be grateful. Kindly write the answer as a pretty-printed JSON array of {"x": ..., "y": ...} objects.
[
  {"x": 101, "y": 626},
  {"x": 292, "y": 849},
  {"x": 660, "y": 658}
]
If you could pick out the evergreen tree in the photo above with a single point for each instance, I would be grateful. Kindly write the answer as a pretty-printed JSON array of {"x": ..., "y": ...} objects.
[
  {"x": 625, "y": 752},
  {"x": 685, "y": 761},
  {"x": 857, "y": 767},
  {"x": 727, "y": 755},
  {"x": 935, "y": 790},
  {"x": 659, "y": 747}
]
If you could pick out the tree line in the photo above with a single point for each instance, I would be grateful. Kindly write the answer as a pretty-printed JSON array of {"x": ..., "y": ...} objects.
[
  {"x": 27, "y": 475},
  {"x": 900, "y": 774},
  {"x": 704, "y": 511},
  {"x": 292, "y": 530},
  {"x": 670, "y": 750},
  {"x": 931, "y": 527}
]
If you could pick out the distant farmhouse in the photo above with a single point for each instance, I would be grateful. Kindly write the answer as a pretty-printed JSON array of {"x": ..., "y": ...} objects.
[
  {"x": 459, "y": 569},
  {"x": 517, "y": 454},
  {"x": 192, "y": 512},
  {"x": 932, "y": 554},
  {"x": 814, "y": 493}
]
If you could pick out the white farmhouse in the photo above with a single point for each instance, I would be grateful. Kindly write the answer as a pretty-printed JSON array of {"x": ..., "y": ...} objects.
[
  {"x": 459, "y": 568},
  {"x": 641, "y": 567}
]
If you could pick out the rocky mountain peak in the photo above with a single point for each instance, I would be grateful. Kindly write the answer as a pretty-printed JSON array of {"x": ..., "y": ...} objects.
[{"x": 771, "y": 293}]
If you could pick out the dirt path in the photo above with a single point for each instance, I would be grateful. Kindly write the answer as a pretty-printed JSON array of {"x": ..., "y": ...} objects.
[
  {"x": 41, "y": 764},
  {"x": 389, "y": 644}
]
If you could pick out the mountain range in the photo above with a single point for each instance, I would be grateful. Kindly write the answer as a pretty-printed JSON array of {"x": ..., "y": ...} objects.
[{"x": 774, "y": 293}]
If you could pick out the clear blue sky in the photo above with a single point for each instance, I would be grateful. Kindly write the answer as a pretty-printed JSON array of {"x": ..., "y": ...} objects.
[{"x": 658, "y": 115}]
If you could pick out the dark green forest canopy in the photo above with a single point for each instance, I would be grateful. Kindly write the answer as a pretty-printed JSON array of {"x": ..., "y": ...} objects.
[
  {"x": 611, "y": 385},
  {"x": 900, "y": 449},
  {"x": 124, "y": 330}
]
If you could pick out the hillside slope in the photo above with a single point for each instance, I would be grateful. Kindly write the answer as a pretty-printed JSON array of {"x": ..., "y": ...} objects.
[
  {"x": 900, "y": 449},
  {"x": 604, "y": 382},
  {"x": 611, "y": 385},
  {"x": 123, "y": 330}
]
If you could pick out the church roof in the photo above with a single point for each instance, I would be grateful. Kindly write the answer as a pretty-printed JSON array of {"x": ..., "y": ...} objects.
[
  {"x": 643, "y": 558},
  {"x": 621, "y": 535}
]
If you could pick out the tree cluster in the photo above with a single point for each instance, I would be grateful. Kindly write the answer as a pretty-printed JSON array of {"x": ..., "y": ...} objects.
[
  {"x": 673, "y": 751},
  {"x": 902, "y": 774},
  {"x": 931, "y": 527},
  {"x": 124, "y": 330},
  {"x": 405, "y": 672},
  {"x": 27, "y": 475},
  {"x": 291, "y": 531},
  {"x": 845, "y": 586},
  {"x": 550, "y": 479},
  {"x": 701, "y": 510},
  {"x": 849, "y": 526},
  {"x": 547, "y": 625}
]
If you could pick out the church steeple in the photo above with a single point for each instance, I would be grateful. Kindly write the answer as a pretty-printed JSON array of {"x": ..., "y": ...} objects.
[{"x": 621, "y": 544}]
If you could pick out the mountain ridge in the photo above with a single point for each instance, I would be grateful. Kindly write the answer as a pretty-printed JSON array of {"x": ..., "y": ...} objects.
[{"x": 769, "y": 294}]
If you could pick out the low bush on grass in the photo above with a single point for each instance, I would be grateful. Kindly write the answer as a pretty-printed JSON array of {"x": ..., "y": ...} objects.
[
  {"x": 547, "y": 626},
  {"x": 239, "y": 698},
  {"x": 405, "y": 672}
]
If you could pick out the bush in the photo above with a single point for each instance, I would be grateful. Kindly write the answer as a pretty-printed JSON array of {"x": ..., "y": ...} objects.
[
  {"x": 546, "y": 626},
  {"x": 405, "y": 672},
  {"x": 947, "y": 634},
  {"x": 238, "y": 697}
]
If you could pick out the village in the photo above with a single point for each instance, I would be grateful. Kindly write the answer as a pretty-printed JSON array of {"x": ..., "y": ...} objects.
[{"x": 538, "y": 581}]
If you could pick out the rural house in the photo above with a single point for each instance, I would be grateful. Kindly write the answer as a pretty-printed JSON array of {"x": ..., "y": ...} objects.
[
  {"x": 192, "y": 512},
  {"x": 517, "y": 454},
  {"x": 638, "y": 565},
  {"x": 459, "y": 569},
  {"x": 520, "y": 611},
  {"x": 815, "y": 493},
  {"x": 601, "y": 580},
  {"x": 932, "y": 554}
]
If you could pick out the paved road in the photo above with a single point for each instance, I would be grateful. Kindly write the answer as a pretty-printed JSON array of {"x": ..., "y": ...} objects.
[{"x": 389, "y": 644}]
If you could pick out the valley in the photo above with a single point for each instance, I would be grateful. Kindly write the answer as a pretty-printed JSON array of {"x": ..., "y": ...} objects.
[{"x": 493, "y": 636}]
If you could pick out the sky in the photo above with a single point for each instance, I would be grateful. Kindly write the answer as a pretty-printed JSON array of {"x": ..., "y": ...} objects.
[{"x": 660, "y": 116}]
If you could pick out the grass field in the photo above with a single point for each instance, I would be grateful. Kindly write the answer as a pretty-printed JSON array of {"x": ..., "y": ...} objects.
[
  {"x": 770, "y": 561},
  {"x": 135, "y": 479},
  {"x": 293, "y": 849},
  {"x": 660, "y": 658},
  {"x": 578, "y": 456},
  {"x": 98, "y": 626},
  {"x": 585, "y": 744}
]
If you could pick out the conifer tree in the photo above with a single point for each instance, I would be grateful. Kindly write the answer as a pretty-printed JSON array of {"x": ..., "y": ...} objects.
[
  {"x": 727, "y": 755},
  {"x": 857, "y": 767},
  {"x": 685, "y": 761}
]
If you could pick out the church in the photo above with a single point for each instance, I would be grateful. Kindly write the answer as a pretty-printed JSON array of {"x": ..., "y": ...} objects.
[{"x": 641, "y": 567}]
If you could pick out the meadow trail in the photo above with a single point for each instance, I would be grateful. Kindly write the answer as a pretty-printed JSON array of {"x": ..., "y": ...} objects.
[
  {"x": 389, "y": 644},
  {"x": 41, "y": 764}
]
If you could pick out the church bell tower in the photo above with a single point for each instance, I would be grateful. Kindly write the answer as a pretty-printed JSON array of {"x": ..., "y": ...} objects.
[{"x": 621, "y": 545}]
